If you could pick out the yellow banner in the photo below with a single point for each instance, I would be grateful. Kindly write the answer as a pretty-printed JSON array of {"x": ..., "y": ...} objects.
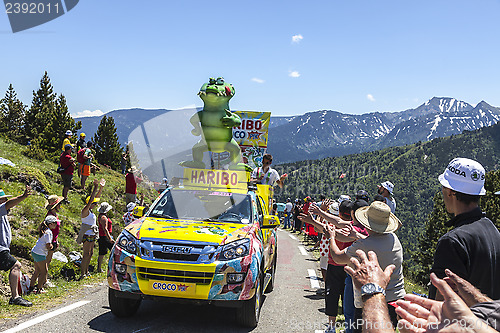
[
  {"x": 220, "y": 179},
  {"x": 253, "y": 130}
]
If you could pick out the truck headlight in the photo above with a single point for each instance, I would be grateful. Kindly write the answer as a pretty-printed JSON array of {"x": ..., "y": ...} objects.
[
  {"x": 127, "y": 242},
  {"x": 236, "y": 249}
]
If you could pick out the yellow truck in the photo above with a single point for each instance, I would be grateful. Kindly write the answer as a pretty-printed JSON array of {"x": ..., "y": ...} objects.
[{"x": 209, "y": 240}]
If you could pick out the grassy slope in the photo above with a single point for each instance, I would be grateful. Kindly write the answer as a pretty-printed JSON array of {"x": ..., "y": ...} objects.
[{"x": 25, "y": 217}]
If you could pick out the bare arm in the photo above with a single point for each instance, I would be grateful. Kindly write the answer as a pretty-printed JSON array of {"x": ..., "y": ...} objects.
[
  {"x": 14, "y": 201},
  {"x": 339, "y": 256},
  {"x": 335, "y": 220},
  {"x": 86, "y": 209}
]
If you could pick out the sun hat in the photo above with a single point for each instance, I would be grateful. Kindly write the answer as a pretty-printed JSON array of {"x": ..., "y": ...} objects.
[
  {"x": 53, "y": 200},
  {"x": 465, "y": 176},
  {"x": 334, "y": 208},
  {"x": 95, "y": 200},
  {"x": 50, "y": 219},
  {"x": 378, "y": 218},
  {"x": 68, "y": 132},
  {"x": 3, "y": 195},
  {"x": 82, "y": 134},
  {"x": 67, "y": 146},
  {"x": 104, "y": 207},
  {"x": 388, "y": 186},
  {"x": 130, "y": 206},
  {"x": 343, "y": 197}
]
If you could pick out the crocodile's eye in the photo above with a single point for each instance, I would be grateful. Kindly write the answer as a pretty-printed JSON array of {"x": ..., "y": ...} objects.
[
  {"x": 211, "y": 80},
  {"x": 220, "y": 80}
]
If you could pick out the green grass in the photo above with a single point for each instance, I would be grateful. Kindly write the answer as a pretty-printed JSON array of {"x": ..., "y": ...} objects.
[{"x": 27, "y": 216}]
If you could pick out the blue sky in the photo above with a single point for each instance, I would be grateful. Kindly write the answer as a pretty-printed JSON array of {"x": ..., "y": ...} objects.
[{"x": 351, "y": 56}]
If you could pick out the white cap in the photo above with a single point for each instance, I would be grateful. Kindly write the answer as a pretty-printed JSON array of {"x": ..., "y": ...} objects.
[
  {"x": 343, "y": 197},
  {"x": 68, "y": 132},
  {"x": 497, "y": 193},
  {"x": 334, "y": 208},
  {"x": 465, "y": 176},
  {"x": 388, "y": 186}
]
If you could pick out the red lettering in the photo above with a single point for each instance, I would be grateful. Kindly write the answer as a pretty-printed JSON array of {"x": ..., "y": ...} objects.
[
  {"x": 258, "y": 125},
  {"x": 194, "y": 176},
  {"x": 210, "y": 177},
  {"x": 218, "y": 176},
  {"x": 234, "y": 179},
  {"x": 201, "y": 179},
  {"x": 249, "y": 124},
  {"x": 224, "y": 179}
]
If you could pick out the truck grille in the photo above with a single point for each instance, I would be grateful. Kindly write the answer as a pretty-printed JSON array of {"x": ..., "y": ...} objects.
[
  {"x": 178, "y": 251},
  {"x": 175, "y": 276}
]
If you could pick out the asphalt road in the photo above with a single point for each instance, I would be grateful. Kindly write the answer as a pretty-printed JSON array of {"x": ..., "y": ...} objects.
[{"x": 293, "y": 306}]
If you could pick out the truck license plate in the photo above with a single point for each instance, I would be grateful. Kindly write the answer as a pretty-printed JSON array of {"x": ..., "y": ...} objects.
[{"x": 178, "y": 288}]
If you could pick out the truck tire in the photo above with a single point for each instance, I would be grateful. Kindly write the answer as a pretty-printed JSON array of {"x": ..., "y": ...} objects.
[
  {"x": 270, "y": 285},
  {"x": 120, "y": 306},
  {"x": 248, "y": 314}
]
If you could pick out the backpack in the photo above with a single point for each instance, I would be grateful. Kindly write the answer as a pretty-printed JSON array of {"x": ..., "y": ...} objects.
[{"x": 80, "y": 154}]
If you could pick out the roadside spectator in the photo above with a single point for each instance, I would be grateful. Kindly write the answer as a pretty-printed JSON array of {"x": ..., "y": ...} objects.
[
  {"x": 68, "y": 163},
  {"x": 362, "y": 195},
  {"x": 385, "y": 189},
  {"x": 267, "y": 175},
  {"x": 344, "y": 197},
  {"x": 39, "y": 253},
  {"x": 85, "y": 166},
  {"x": 7, "y": 261},
  {"x": 288, "y": 213},
  {"x": 81, "y": 142},
  {"x": 89, "y": 230},
  {"x": 128, "y": 217},
  {"x": 471, "y": 249},
  {"x": 66, "y": 141},
  {"x": 106, "y": 240},
  {"x": 381, "y": 225},
  {"x": 131, "y": 181},
  {"x": 163, "y": 186},
  {"x": 379, "y": 197},
  {"x": 123, "y": 162},
  {"x": 297, "y": 208},
  {"x": 53, "y": 206}
]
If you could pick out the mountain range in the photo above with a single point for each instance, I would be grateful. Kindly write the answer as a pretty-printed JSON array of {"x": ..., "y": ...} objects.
[{"x": 328, "y": 133}]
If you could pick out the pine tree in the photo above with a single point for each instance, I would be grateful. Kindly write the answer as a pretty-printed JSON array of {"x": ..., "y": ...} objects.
[
  {"x": 39, "y": 115},
  {"x": 106, "y": 145},
  {"x": 12, "y": 114}
]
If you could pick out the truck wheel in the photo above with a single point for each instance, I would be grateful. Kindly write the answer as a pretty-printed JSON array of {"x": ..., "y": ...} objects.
[
  {"x": 120, "y": 306},
  {"x": 248, "y": 314},
  {"x": 270, "y": 285}
]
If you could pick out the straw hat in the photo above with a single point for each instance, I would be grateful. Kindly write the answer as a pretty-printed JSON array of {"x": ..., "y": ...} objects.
[
  {"x": 53, "y": 200},
  {"x": 378, "y": 218},
  {"x": 104, "y": 208}
]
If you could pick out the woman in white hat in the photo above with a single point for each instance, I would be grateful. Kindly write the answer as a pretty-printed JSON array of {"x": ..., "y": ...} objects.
[
  {"x": 381, "y": 225},
  {"x": 106, "y": 240}
]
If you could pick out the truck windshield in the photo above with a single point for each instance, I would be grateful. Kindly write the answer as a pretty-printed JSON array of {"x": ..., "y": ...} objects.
[{"x": 204, "y": 205}]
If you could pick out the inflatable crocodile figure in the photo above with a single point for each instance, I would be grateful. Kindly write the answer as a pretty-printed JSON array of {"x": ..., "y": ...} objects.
[{"x": 214, "y": 123}]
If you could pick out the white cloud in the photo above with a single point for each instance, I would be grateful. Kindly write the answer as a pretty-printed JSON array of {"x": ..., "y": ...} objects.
[
  {"x": 370, "y": 97},
  {"x": 256, "y": 79},
  {"x": 88, "y": 113},
  {"x": 293, "y": 74},
  {"x": 297, "y": 38}
]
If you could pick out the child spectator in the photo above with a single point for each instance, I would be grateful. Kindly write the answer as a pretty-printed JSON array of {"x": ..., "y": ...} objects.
[
  {"x": 39, "y": 253},
  {"x": 106, "y": 240},
  {"x": 128, "y": 217}
]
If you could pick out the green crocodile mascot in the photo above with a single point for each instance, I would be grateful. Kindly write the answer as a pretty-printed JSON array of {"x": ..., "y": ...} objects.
[{"x": 214, "y": 123}]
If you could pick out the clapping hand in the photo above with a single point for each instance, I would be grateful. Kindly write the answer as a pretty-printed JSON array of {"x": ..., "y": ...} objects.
[
  {"x": 368, "y": 270},
  {"x": 313, "y": 208}
]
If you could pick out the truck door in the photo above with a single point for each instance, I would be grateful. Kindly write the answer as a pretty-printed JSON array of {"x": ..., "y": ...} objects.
[{"x": 266, "y": 233}]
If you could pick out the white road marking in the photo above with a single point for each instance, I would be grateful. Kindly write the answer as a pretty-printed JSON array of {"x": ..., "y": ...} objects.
[
  {"x": 292, "y": 236},
  {"x": 319, "y": 331},
  {"x": 302, "y": 250},
  {"x": 46, "y": 316},
  {"x": 313, "y": 279}
]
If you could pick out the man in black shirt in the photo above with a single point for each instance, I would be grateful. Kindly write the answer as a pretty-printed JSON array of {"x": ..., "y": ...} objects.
[{"x": 472, "y": 248}]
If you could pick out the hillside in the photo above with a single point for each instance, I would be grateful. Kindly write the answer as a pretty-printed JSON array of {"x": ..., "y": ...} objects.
[
  {"x": 413, "y": 169},
  {"x": 27, "y": 216}
]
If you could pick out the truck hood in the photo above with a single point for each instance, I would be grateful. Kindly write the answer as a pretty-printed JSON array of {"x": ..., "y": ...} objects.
[{"x": 188, "y": 230}]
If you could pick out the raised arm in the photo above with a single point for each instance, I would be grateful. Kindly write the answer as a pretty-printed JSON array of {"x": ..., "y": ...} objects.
[
  {"x": 14, "y": 201},
  {"x": 335, "y": 220}
]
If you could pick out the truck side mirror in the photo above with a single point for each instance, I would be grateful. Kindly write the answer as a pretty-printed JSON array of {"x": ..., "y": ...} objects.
[
  {"x": 138, "y": 211},
  {"x": 270, "y": 221}
]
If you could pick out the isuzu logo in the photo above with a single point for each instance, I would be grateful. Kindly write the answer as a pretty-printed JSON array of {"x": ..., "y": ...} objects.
[{"x": 176, "y": 249}]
